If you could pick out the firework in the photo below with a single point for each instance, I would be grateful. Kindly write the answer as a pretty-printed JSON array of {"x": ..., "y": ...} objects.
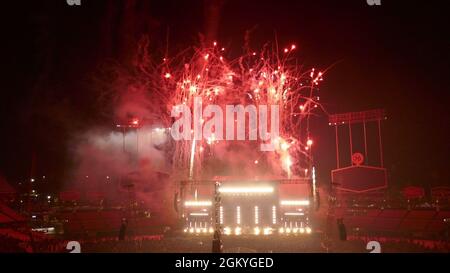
[{"x": 265, "y": 77}]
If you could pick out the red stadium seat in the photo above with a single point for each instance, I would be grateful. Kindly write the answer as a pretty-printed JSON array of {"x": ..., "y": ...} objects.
[
  {"x": 414, "y": 225},
  {"x": 386, "y": 224},
  {"x": 435, "y": 226},
  {"x": 373, "y": 212},
  {"x": 441, "y": 215},
  {"x": 421, "y": 214},
  {"x": 393, "y": 213}
]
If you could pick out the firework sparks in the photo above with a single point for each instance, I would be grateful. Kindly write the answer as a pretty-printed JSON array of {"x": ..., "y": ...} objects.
[{"x": 259, "y": 78}]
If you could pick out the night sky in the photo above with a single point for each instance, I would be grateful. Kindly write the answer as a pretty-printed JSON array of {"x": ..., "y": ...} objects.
[{"x": 394, "y": 56}]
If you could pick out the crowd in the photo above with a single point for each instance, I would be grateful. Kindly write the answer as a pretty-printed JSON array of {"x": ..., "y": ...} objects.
[{"x": 232, "y": 244}]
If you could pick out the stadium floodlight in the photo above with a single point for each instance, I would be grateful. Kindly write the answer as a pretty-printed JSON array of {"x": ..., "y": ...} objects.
[
  {"x": 294, "y": 202},
  {"x": 246, "y": 190},
  {"x": 197, "y": 203}
]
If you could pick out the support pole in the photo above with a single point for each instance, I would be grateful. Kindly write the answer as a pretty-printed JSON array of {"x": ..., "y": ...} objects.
[
  {"x": 351, "y": 142},
  {"x": 380, "y": 143},
  {"x": 366, "y": 156},
  {"x": 337, "y": 146}
]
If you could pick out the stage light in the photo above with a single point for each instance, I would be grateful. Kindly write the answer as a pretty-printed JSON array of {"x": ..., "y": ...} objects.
[
  {"x": 185, "y": 230},
  {"x": 198, "y": 214},
  {"x": 211, "y": 230},
  {"x": 302, "y": 230},
  {"x": 281, "y": 230},
  {"x": 274, "y": 215},
  {"x": 288, "y": 230},
  {"x": 294, "y": 214},
  {"x": 197, "y": 230},
  {"x": 205, "y": 230},
  {"x": 308, "y": 230},
  {"x": 267, "y": 231},
  {"x": 295, "y": 230},
  {"x": 246, "y": 190},
  {"x": 227, "y": 230},
  {"x": 257, "y": 230},
  {"x": 294, "y": 202},
  {"x": 238, "y": 215},
  {"x": 238, "y": 231},
  {"x": 197, "y": 203},
  {"x": 191, "y": 230}
]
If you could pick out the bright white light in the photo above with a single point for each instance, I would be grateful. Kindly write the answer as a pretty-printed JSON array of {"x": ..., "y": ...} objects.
[
  {"x": 281, "y": 230},
  {"x": 205, "y": 230},
  {"x": 274, "y": 215},
  {"x": 288, "y": 230},
  {"x": 308, "y": 230},
  {"x": 246, "y": 190},
  {"x": 197, "y": 203},
  {"x": 191, "y": 230},
  {"x": 197, "y": 230},
  {"x": 295, "y": 230},
  {"x": 294, "y": 202},
  {"x": 199, "y": 214},
  {"x": 294, "y": 213},
  {"x": 238, "y": 231},
  {"x": 288, "y": 162},
  {"x": 185, "y": 230},
  {"x": 227, "y": 230},
  {"x": 302, "y": 230},
  {"x": 238, "y": 215},
  {"x": 221, "y": 214},
  {"x": 257, "y": 230},
  {"x": 256, "y": 215},
  {"x": 211, "y": 230},
  {"x": 267, "y": 231}
]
